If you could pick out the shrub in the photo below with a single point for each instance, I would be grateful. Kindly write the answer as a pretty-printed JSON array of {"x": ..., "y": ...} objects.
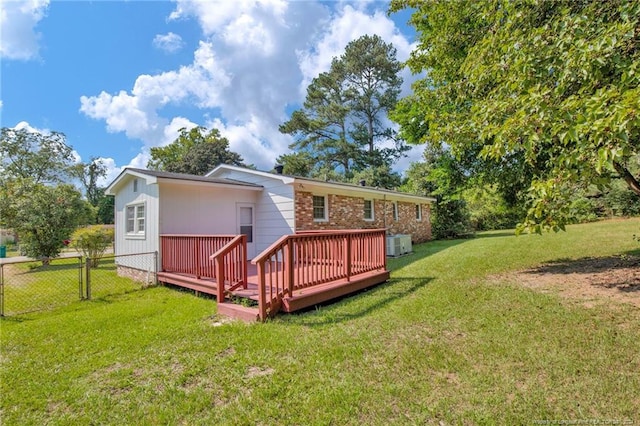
[{"x": 92, "y": 241}]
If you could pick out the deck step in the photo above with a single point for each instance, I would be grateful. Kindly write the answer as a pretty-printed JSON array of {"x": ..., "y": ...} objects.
[
  {"x": 240, "y": 312},
  {"x": 322, "y": 293}
]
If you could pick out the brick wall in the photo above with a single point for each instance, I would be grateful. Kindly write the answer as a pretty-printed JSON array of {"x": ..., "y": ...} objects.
[
  {"x": 138, "y": 275},
  {"x": 348, "y": 213}
]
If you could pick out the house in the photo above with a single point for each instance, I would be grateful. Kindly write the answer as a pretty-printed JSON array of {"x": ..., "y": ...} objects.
[
  {"x": 262, "y": 205},
  {"x": 152, "y": 207}
]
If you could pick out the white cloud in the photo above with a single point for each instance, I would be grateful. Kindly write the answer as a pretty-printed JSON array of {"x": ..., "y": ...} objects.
[
  {"x": 112, "y": 171},
  {"x": 24, "y": 125},
  {"x": 1, "y": 104},
  {"x": 348, "y": 25},
  {"x": 250, "y": 140},
  {"x": 169, "y": 42},
  {"x": 18, "y": 19},
  {"x": 246, "y": 73},
  {"x": 136, "y": 113}
]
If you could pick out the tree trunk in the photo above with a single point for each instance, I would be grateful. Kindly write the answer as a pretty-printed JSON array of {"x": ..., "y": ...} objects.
[{"x": 628, "y": 177}]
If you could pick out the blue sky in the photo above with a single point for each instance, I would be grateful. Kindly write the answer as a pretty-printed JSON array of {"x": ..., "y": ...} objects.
[{"x": 119, "y": 77}]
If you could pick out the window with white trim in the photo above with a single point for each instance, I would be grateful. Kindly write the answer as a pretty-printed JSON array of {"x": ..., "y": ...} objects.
[
  {"x": 135, "y": 219},
  {"x": 135, "y": 185},
  {"x": 319, "y": 208},
  {"x": 368, "y": 209},
  {"x": 395, "y": 211},
  {"x": 418, "y": 212}
]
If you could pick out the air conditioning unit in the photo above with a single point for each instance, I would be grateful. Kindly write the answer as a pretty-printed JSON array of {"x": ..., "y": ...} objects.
[{"x": 398, "y": 245}]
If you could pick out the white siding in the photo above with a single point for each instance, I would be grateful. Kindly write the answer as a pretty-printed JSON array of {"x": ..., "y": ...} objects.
[
  {"x": 200, "y": 209},
  {"x": 274, "y": 207},
  {"x": 147, "y": 194}
]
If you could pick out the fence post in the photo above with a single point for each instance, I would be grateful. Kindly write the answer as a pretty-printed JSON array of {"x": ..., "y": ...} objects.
[
  {"x": 80, "y": 289},
  {"x": 88, "y": 280},
  {"x": 155, "y": 265},
  {"x": 1, "y": 290}
]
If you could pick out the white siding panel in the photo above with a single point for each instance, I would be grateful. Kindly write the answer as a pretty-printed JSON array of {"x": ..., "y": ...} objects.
[
  {"x": 200, "y": 209},
  {"x": 274, "y": 208},
  {"x": 147, "y": 194}
]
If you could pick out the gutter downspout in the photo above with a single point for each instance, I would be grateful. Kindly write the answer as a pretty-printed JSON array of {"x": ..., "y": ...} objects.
[{"x": 384, "y": 216}]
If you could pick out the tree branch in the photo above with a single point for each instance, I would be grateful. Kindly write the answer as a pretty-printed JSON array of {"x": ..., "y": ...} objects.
[{"x": 628, "y": 177}]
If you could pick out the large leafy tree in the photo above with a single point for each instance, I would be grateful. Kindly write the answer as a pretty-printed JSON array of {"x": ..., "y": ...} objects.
[
  {"x": 43, "y": 215},
  {"x": 550, "y": 89},
  {"x": 196, "y": 151},
  {"x": 40, "y": 157},
  {"x": 342, "y": 124}
]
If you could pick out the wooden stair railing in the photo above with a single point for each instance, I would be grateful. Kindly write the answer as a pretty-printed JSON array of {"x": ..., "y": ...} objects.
[
  {"x": 308, "y": 259},
  {"x": 190, "y": 254},
  {"x": 230, "y": 266}
]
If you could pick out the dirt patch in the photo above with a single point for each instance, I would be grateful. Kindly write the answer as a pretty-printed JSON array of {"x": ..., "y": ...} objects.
[
  {"x": 258, "y": 372},
  {"x": 593, "y": 280}
]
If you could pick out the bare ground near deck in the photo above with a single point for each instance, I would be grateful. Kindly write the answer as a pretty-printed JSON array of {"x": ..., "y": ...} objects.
[{"x": 590, "y": 281}]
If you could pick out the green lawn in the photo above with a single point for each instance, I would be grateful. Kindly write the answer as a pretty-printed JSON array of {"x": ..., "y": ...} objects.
[{"x": 441, "y": 343}]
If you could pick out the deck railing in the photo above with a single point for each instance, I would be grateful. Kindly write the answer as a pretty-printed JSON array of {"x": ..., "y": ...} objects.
[
  {"x": 190, "y": 254},
  {"x": 309, "y": 259},
  {"x": 230, "y": 264}
]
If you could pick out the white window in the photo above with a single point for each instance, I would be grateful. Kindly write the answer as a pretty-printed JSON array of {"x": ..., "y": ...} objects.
[
  {"x": 135, "y": 185},
  {"x": 368, "y": 209},
  {"x": 395, "y": 211},
  {"x": 135, "y": 219},
  {"x": 418, "y": 212},
  {"x": 319, "y": 208}
]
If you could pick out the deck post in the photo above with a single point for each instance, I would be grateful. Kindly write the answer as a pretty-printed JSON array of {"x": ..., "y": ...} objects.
[
  {"x": 288, "y": 266},
  {"x": 347, "y": 256},
  {"x": 197, "y": 252},
  {"x": 244, "y": 259},
  {"x": 219, "y": 265},
  {"x": 262, "y": 296}
]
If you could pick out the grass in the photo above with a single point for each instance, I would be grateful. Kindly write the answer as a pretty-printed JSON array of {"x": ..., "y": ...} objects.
[{"x": 441, "y": 343}]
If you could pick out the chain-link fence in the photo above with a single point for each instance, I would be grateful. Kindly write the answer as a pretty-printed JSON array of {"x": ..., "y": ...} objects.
[{"x": 31, "y": 285}]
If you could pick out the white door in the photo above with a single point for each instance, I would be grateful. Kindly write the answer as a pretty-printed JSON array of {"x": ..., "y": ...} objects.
[{"x": 246, "y": 226}]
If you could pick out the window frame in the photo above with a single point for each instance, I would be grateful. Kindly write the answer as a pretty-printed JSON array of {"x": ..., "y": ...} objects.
[
  {"x": 396, "y": 213},
  {"x": 325, "y": 207},
  {"x": 372, "y": 216},
  {"x": 419, "y": 212},
  {"x": 138, "y": 221}
]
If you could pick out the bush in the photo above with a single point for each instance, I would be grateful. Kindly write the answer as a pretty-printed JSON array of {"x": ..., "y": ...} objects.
[
  {"x": 450, "y": 219},
  {"x": 488, "y": 209},
  {"x": 92, "y": 241}
]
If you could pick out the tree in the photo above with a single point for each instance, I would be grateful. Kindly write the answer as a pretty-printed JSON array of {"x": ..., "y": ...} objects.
[
  {"x": 44, "y": 216},
  {"x": 550, "y": 88},
  {"x": 194, "y": 152},
  {"x": 296, "y": 164},
  {"x": 89, "y": 174},
  {"x": 106, "y": 208},
  {"x": 441, "y": 176},
  {"x": 342, "y": 122},
  {"x": 43, "y": 158},
  {"x": 379, "y": 176}
]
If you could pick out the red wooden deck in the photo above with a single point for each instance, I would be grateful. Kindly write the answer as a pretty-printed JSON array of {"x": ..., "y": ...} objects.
[{"x": 296, "y": 272}]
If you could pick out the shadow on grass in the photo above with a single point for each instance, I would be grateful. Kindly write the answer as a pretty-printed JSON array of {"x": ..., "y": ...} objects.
[
  {"x": 619, "y": 272},
  {"x": 358, "y": 304},
  {"x": 422, "y": 251},
  {"x": 492, "y": 234}
]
